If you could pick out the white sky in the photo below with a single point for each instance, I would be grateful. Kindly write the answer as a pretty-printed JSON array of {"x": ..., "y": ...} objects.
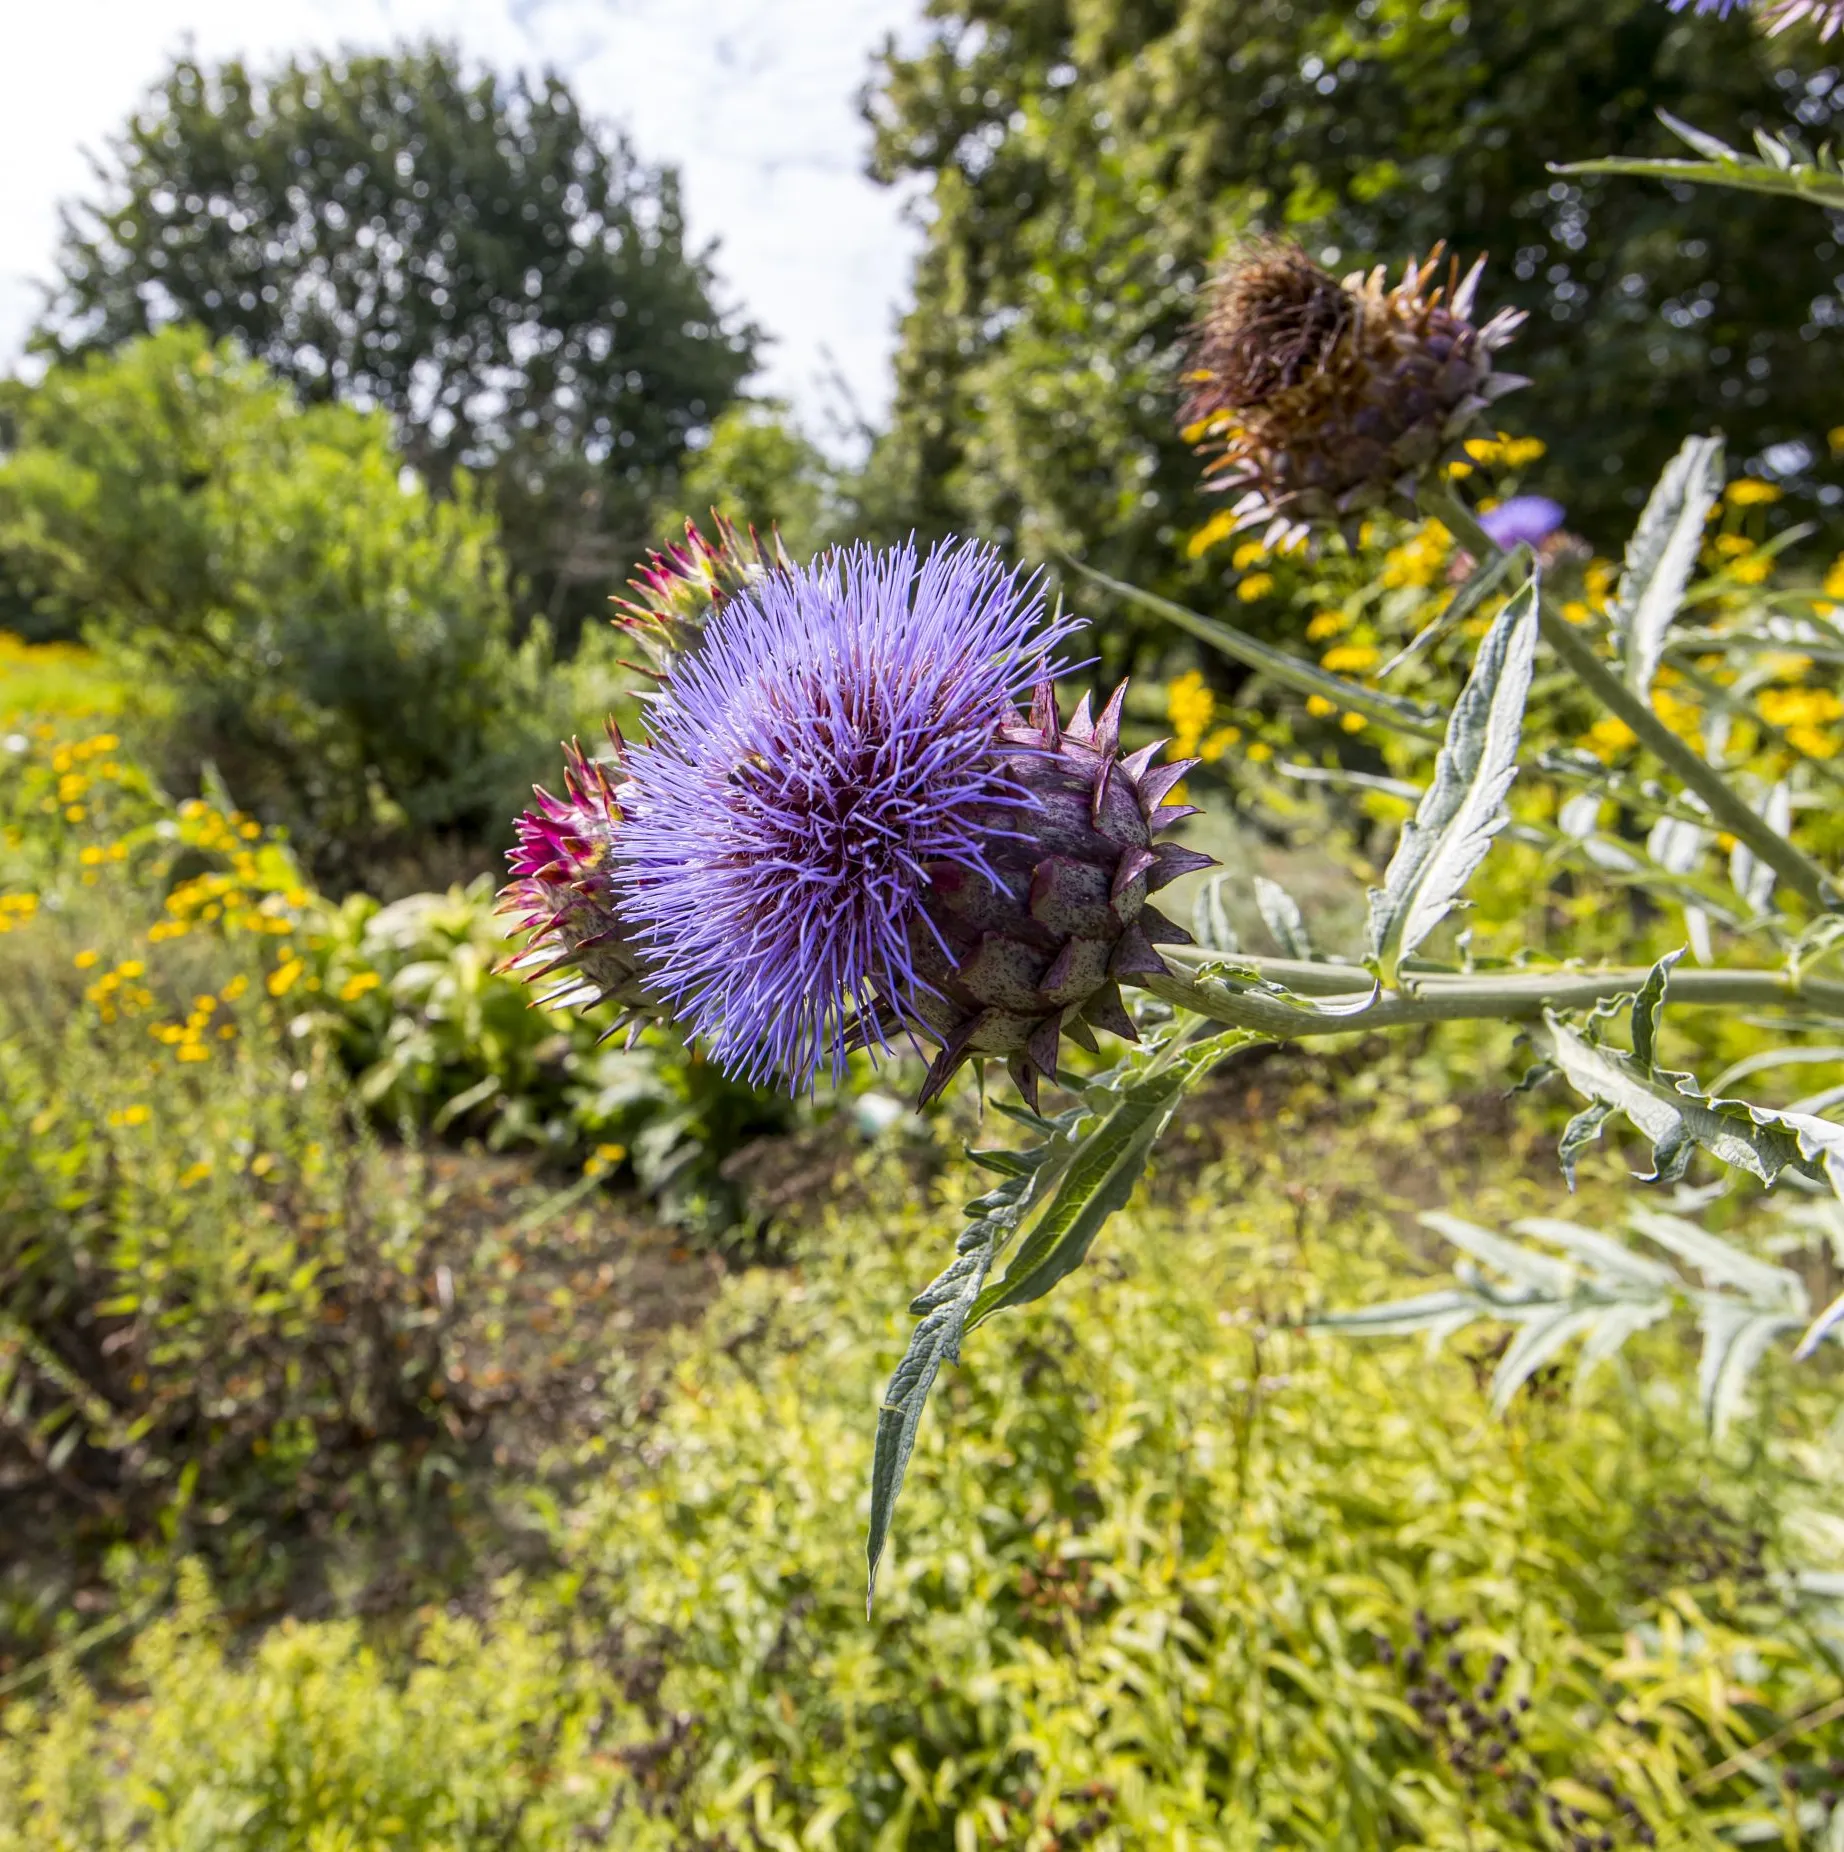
[{"x": 753, "y": 100}]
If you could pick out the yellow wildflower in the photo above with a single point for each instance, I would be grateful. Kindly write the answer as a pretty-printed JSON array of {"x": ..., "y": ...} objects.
[
  {"x": 361, "y": 981},
  {"x": 1218, "y": 527},
  {"x": 1319, "y": 707},
  {"x": 1256, "y": 585},
  {"x": 1750, "y": 492},
  {"x": 1608, "y": 738},
  {"x": 1350, "y": 658},
  {"x": 285, "y": 976},
  {"x": 1327, "y": 624},
  {"x": 85, "y": 959}
]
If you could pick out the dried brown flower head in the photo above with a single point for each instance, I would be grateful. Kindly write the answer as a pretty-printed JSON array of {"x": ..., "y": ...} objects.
[{"x": 1317, "y": 400}]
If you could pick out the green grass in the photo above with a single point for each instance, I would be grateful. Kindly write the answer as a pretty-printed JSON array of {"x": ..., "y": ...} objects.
[
  {"x": 1160, "y": 1565},
  {"x": 44, "y": 682}
]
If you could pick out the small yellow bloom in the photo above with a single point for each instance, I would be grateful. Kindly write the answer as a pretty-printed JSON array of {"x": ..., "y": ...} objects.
[
  {"x": 234, "y": 989},
  {"x": 1756, "y": 569},
  {"x": 357, "y": 985},
  {"x": 1353, "y": 723},
  {"x": 285, "y": 976},
  {"x": 1608, "y": 738},
  {"x": 1319, "y": 707},
  {"x": 1248, "y": 554},
  {"x": 1327, "y": 624},
  {"x": 195, "y": 1173},
  {"x": 84, "y": 960},
  {"x": 1261, "y": 752},
  {"x": 1218, "y": 527},
  {"x": 193, "y": 1051},
  {"x": 1350, "y": 658},
  {"x": 1750, "y": 492},
  {"x": 1256, "y": 585}
]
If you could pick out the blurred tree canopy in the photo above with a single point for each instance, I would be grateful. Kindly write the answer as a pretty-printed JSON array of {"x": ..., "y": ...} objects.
[
  {"x": 292, "y": 605},
  {"x": 1088, "y": 161},
  {"x": 472, "y": 254},
  {"x": 762, "y": 471}
]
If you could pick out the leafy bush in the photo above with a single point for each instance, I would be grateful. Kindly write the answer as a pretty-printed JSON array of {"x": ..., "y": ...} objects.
[
  {"x": 308, "y": 617},
  {"x": 1174, "y": 1573},
  {"x": 438, "y": 1038},
  {"x": 217, "y": 1288}
]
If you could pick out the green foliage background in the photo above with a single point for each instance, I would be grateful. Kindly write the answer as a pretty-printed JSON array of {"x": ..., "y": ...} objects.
[{"x": 1087, "y": 162}]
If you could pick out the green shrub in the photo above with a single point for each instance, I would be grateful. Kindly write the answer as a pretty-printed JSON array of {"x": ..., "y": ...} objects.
[
  {"x": 217, "y": 1288},
  {"x": 1161, "y": 1571},
  {"x": 438, "y": 1038},
  {"x": 310, "y": 619}
]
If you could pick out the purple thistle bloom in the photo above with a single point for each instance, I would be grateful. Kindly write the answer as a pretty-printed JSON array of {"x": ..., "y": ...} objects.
[
  {"x": 1523, "y": 520},
  {"x": 1721, "y": 8},
  {"x": 829, "y": 744}
]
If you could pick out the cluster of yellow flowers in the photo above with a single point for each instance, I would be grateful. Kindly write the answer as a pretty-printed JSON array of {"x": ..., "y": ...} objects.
[
  {"x": 1423, "y": 559},
  {"x": 75, "y": 774},
  {"x": 189, "y": 1040},
  {"x": 1191, "y": 707},
  {"x": 16, "y": 909},
  {"x": 118, "y": 992}
]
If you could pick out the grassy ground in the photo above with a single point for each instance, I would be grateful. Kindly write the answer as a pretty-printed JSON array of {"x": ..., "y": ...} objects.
[{"x": 1172, "y": 1571}]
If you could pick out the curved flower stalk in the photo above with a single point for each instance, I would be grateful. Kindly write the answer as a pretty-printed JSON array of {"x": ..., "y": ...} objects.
[{"x": 1317, "y": 400}]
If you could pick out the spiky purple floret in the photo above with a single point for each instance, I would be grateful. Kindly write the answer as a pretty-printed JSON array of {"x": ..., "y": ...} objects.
[{"x": 830, "y": 741}]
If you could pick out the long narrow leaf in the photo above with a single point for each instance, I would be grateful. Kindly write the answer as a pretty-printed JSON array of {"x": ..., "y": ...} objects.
[
  {"x": 1100, "y": 1177},
  {"x": 1464, "y": 808},
  {"x": 1387, "y": 710},
  {"x": 1661, "y": 556}
]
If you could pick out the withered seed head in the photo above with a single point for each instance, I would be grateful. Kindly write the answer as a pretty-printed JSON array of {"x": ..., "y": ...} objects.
[
  {"x": 1318, "y": 400},
  {"x": 1273, "y": 317}
]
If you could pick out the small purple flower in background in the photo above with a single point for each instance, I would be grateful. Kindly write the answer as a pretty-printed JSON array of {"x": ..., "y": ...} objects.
[
  {"x": 1522, "y": 520},
  {"x": 828, "y": 745}
]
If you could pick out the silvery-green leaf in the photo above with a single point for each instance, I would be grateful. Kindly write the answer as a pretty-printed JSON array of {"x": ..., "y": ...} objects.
[
  {"x": 1210, "y": 922},
  {"x": 943, "y": 1306},
  {"x": 1735, "y": 1339},
  {"x": 1099, "y": 1176},
  {"x": 1661, "y": 556},
  {"x": 1676, "y": 846},
  {"x": 1821, "y": 1328},
  {"x": 1583, "y": 1130},
  {"x": 1478, "y": 585},
  {"x": 1280, "y": 913},
  {"x": 1580, "y": 815},
  {"x": 1615, "y": 1325},
  {"x": 1805, "y": 1055},
  {"x": 1671, "y": 1110},
  {"x": 1539, "y": 1338},
  {"x": 1600, "y": 1251},
  {"x": 1464, "y": 808},
  {"x": 1720, "y": 1263},
  {"x": 1751, "y": 878},
  {"x": 1539, "y": 1273},
  {"x": 1425, "y": 1312},
  {"x": 943, "y": 1309}
]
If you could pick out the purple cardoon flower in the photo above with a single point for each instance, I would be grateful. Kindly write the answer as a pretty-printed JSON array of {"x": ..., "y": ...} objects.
[
  {"x": 828, "y": 747},
  {"x": 1523, "y": 520}
]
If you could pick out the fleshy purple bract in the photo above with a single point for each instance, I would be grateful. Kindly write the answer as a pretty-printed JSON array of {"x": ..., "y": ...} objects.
[{"x": 831, "y": 740}]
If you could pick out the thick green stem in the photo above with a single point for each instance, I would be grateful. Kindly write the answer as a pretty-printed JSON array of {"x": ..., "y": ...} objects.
[
  {"x": 1726, "y": 805},
  {"x": 1507, "y": 996}
]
